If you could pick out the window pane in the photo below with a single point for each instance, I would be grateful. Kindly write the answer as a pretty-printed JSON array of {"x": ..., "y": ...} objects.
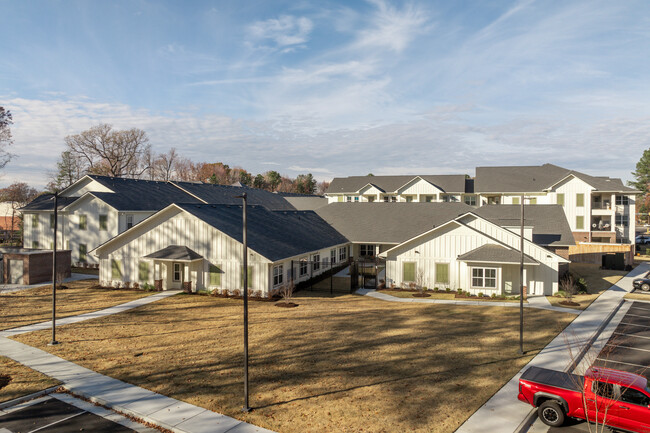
[
  {"x": 533, "y": 200},
  {"x": 143, "y": 271},
  {"x": 82, "y": 252},
  {"x": 580, "y": 222},
  {"x": 103, "y": 222},
  {"x": 560, "y": 199},
  {"x": 515, "y": 200},
  {"x": 477, "y": 282},
  {"x": 408, "y": 271},
  {"x": 580, "y": 200},
  {"x": 116, "y": 269},
  {"x": 442, "y": 273}
]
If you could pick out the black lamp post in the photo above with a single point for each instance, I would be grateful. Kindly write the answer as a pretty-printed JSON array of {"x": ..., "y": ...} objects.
[
  {"x": 246, "y": 407},
  {"x": 53, "y": 342},
  {"x": 521, "y": 279}
]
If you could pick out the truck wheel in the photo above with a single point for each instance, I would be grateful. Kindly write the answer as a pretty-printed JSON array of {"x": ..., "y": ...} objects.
[
  {"x": 645, "y": 287},
  {"x": 551, "y": 413}
]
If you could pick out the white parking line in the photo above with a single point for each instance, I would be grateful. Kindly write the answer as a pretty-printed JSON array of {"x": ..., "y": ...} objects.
[
  {"x": 632, "y": 335},
  {"x": 621, "y": 362},
  {"x": 627, "y": 347},
  {"x": 638, "y": 315},
  {"x": 57, "y": 422},
  {"x": 633, "y": 324}
]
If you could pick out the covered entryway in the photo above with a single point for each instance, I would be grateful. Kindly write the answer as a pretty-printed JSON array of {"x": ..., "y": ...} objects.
[{"x": 177, "y": 267}]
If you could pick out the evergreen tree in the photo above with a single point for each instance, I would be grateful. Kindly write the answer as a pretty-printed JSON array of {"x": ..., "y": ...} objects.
[{"x": 642, "y": 173}]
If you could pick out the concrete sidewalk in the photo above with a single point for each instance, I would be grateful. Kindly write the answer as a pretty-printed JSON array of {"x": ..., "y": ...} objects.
[
  {"x": 503, "y": 412},
  {"x": 9, "y": 288},
  {"x": 539, "y": 302},
  {"x": 122, "y": 397},
  {"x": 91, "y": 315}
]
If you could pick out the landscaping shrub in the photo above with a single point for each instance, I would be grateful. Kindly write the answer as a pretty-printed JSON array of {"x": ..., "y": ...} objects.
[
  {"x": 480, "y": 294},
  {"x": 447, "y": 290}
]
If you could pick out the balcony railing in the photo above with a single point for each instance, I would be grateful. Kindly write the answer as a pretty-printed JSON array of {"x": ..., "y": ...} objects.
[{"x": 601, "y": 205}]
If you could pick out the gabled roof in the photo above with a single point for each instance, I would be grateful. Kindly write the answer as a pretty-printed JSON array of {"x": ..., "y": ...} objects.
[
  {"x": 227, "y": 194},
  {"x": 550, "y": 226},
  {"x": 537, "y": 178},
  {"x": 175, "y": 252},
  {"x": 449, "y": 183},
  {"x": 275, "y": 235},
  {"x": 45, "y": 202},
  {"x": 390, "y": 223},
  {"x": 493, "y": 253}
]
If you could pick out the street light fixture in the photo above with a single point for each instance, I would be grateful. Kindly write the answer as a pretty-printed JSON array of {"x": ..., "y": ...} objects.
[{"x": 521, "y": 279}]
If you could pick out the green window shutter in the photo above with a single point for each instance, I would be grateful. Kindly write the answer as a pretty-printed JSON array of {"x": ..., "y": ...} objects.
[
  {"x": 559, "y": 199},
  {"x": 116, "y": 269},
  {"x": 103, "y": 222},
  {"x": 515, "y": 200},
  {"x": 215, "y": 275},
  {"x": 580, "y": 222},
  {"x": 580, "y": 200},
  {"x": 82, "y": 252},
  {"x": 143, "y": 271},
  {"x": 408, "y": 271},
  {"x": 250, "y": 277},
  {"x": 442, "y": 273},
  {"x": 533, "y": 200}
]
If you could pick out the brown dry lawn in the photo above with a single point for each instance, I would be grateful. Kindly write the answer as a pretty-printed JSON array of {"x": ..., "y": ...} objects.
[
  {"x": 22, "y": 380},
  {"x": 35, "y": 305},
  {"x": 347, "y": 363}
]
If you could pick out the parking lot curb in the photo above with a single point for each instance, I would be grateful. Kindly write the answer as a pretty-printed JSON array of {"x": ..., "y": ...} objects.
[{"x": 25, "y": 398}]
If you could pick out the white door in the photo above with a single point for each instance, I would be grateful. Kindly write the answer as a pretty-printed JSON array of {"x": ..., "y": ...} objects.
[
  {"x": 177, "y": 275},
  {"x": 15, "y": 272}
]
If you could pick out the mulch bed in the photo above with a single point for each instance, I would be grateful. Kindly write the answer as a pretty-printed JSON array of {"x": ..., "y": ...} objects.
[
  {"x": 570, "y": 303},
  {"x": 4, "y": 380},
  {"x": 286, "y": 304},
  {"x": 421, "y": 295}
]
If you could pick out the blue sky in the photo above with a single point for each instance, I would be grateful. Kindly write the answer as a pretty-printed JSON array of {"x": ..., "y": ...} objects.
[{"x": 334, "y": 88}]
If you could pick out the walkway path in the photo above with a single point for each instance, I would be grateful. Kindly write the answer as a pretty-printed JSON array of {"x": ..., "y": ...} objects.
[
  {"x": 120, "y": 396},
  {"x": 91, "y": 315},
  {"x": 533, "y": 301},
  {"x": 8, "y": 288},
  {"x": 503, "y": 412}
]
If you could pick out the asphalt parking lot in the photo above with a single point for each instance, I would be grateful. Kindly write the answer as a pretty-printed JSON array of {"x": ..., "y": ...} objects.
[
  {"x": 628, "y": 349},
  {"x": 62, "y": 413}
]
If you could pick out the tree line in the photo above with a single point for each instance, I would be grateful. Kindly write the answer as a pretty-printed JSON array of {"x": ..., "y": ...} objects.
[{"x": 103, "y": 150}]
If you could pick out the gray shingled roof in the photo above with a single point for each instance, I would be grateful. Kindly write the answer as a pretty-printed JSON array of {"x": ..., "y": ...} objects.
[
  {"x": 275, "y": 235},
  {"x": 45, "y": 202},
  {"x": 175, "y": 252},
  {"x": 306, "y": 202},
  {"x": 390, "y": 223},
  {"x": 451, "y": 183},
  {"x": 495, "y": 254},
  {"x": 550, "y": 226},
  {"x": 226, "y": 194},
  {"x": 538, "y": 178}
]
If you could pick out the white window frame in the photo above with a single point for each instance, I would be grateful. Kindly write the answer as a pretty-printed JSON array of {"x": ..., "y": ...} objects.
[
  {"x": 129, "y": 221},
  {"x": 364, "y": 249},
  {"x": 278, "y": 275},
  {"x": 315, "y": 262},
  {"x": 622, "y": 200},
  {"x": 622, "y": 220},
  {"x": 483, "y": 277},
  {"x": 333, "y": 256},
  {"x": 343, "y": 254},
  {"x": 180, "y": 272},
  {"x": 303, "y": 268}
]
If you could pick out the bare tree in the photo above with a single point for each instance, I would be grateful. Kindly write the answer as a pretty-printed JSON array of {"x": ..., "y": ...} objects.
[
  {"x": 164, "y": 165},
  {"x": 18, "y": 194},
  {"x": 6, "y": 120},
  {"x": 116, "y": 153},
  {"x": 569, "y": 285}
]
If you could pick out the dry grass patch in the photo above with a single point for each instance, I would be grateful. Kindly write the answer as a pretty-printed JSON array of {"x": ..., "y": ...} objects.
[
  {"x": 347, "y": 363},
  {"x": 21, "y": 380},
  {"x": 639, "y": 296},
  {"x": 597, "y": 279},
  {"x": 35, "y": 305}
]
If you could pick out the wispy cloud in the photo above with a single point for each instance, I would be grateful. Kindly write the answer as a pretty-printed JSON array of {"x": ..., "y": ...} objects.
[
  {"x": 285, "y": 31},
  {"x": 393, "y": 28}
]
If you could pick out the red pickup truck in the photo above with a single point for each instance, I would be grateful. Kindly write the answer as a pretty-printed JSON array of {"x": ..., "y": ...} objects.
[{"x": 617, "y": 399}]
